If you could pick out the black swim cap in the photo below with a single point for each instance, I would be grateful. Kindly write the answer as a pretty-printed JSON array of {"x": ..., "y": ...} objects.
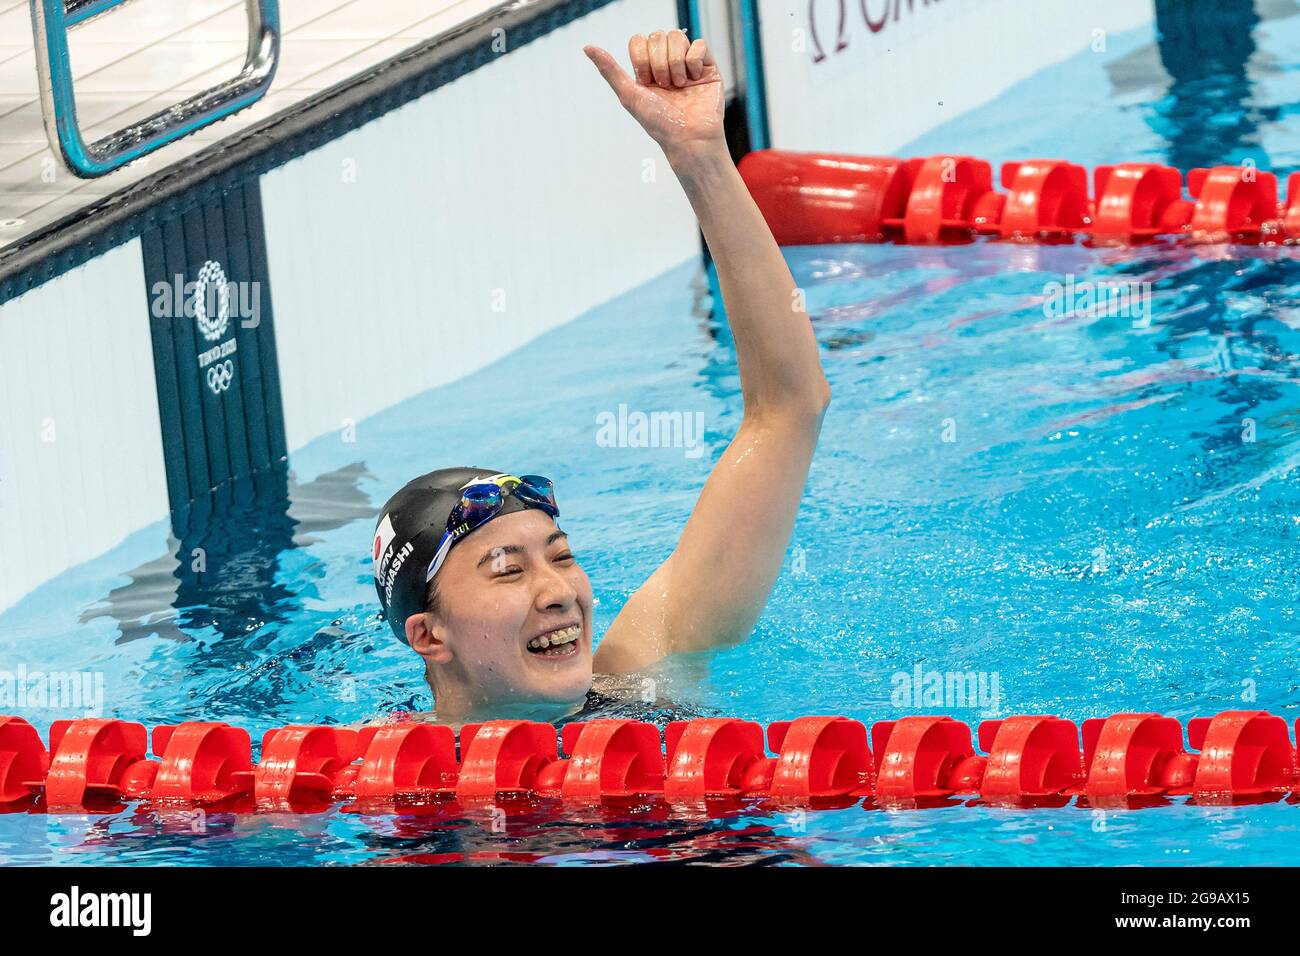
[{"x": 407, "y": 535}]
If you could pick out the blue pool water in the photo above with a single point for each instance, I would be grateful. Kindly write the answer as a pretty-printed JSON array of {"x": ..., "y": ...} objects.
[{"x": 1093, "y": 513}]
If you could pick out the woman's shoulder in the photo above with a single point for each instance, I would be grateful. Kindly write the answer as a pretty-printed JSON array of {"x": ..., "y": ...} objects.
[
  {"x": 630, "y": 697},
  {"x": 611, "y": 697}
]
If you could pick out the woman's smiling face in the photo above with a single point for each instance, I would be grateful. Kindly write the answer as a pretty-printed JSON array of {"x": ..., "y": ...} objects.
[{"x": 512, "y": 623}]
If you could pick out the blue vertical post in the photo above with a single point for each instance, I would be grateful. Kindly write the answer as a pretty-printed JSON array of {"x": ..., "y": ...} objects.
[
  {"x": 688, "y": 17},
  {"x": 755, "y": 89}
]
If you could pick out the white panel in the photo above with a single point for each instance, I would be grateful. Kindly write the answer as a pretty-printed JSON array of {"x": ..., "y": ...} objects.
[
  {"x": 926, "y": 63},
  {"x": 81, "y": 463},
  {"x": 522, "y": 183}
]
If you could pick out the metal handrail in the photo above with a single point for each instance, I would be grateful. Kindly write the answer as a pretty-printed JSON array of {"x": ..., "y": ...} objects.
[{"x": 51, "y": 20}]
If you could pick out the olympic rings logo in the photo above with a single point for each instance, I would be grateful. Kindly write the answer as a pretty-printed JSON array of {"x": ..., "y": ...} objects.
[{"x": 220, "y": 376}]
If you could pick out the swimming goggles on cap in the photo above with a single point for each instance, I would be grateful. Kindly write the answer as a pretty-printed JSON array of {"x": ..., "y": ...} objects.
[{"x": 480, "y": 501}]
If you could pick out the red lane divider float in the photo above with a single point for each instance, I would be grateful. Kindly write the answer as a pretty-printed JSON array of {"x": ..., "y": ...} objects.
[
  {"x": 813, "y": 198},
  {"x": 1031, "y": 760}
]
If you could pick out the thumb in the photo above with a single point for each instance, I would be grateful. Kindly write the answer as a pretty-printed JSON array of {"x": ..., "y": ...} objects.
[{"x": 614, "y": 74}]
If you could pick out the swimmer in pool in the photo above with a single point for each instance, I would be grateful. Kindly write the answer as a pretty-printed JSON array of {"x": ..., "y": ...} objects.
[{"x": 472, "y": 568}]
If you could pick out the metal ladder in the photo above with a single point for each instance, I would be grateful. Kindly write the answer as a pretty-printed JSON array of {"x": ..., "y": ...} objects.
[{"x": 51, "y": 21}]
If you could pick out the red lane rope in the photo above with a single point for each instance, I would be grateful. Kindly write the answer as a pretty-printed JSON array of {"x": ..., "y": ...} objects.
[
  {"x": 1036, "y": 760},
  {"x": 814, "y": 198}
]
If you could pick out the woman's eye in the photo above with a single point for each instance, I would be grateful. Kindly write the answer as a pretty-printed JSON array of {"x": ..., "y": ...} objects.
[
  {"x": 512, "y": 569},
  {"x": 566, "y": 556}
]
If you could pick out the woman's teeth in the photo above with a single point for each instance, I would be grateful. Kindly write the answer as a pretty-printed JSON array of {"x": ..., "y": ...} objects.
[{"x": 556, "y": 643}]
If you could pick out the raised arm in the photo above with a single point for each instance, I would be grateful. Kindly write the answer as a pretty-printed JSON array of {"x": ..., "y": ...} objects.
[{"x": 712, "y": 588}]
